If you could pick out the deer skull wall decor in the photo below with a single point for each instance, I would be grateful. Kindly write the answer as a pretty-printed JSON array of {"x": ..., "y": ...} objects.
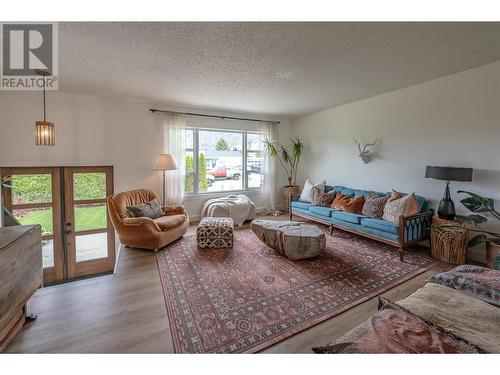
[{"x": 364, "y": 154}]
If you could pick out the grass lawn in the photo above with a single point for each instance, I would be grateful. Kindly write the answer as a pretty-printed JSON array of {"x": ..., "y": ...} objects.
[{"x": 92, "y": 217}]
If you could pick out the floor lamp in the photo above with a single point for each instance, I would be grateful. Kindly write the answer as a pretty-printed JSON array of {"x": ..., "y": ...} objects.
[{"x": 164, "y": 162}]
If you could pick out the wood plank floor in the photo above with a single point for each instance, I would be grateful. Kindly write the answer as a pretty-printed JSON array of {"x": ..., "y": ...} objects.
[{"x": 125, "y": 313}]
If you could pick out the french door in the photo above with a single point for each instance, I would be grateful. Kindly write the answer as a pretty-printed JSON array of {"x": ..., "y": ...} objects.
[{"x": 70, "y": 205}]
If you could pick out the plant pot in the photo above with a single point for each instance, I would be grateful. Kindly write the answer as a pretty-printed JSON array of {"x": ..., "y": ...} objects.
[
  {"x": 291, "y": 190},
  {"x": 493, "y": 253},
  {"x": 287, "y": 192}
]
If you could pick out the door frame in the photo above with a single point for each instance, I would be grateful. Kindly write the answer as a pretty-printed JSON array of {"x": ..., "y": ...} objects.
[
  {"x": 94, "y": 266},
  {"x": 56, "y": 273}
]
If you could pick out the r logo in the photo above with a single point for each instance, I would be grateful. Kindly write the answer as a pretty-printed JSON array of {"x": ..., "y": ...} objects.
[{"x": 26, "y": 47}]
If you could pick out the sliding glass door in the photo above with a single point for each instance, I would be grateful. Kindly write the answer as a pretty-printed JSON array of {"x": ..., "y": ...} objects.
[{"x": 70, "y": 205}]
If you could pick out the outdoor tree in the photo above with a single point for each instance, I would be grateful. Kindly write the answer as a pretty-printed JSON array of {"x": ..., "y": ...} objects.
[
  {"x": 188, "y": 187},
  {"x": 203, "y": 173},
  {"x": 222, "y": 145}
]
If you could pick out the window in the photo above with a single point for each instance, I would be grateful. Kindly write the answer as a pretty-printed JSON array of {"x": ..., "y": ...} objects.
[{"x": 221, "y": 160}]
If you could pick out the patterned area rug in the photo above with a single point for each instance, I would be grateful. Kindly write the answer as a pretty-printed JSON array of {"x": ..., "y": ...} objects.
[{"x": 247, "y": 298}]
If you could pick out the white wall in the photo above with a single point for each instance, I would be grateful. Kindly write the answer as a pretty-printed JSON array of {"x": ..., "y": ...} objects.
[
  {"x": 92, "y": 130},
  {"x": 454, "y": 120}
]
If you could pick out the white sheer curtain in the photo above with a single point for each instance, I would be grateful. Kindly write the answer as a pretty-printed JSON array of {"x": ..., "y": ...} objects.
[
  {"x": 173, "y": 141},
  {"x": 269, "y": 130}
]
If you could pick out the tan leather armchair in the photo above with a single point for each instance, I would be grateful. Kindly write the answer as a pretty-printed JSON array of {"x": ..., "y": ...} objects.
[{"x": 143, "y": 232}]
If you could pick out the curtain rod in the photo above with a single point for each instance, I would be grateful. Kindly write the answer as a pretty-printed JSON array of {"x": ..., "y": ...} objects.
[{"x": 152, "y": 110}]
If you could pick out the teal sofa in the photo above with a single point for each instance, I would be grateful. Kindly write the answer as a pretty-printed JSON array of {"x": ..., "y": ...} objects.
[{"x": 409, "y": 231}]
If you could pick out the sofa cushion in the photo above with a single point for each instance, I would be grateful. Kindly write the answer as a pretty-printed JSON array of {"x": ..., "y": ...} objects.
[
  {"x": 374, "y": 205},
  {"x": 302, "y": 205},
  {"x": 307, "y": 192},
  {"x": 380, "y": 224},
  {"x": 322, "y": 198},
  {"x": 347, "y": 216},
  {"x": 323, "y": 211},
  {"x": 345, "y": 203},
  {"x": 169, "y": 222},
  {"x": 405, "y": 206},
  {"x": 359, "y": 228},
  {"x": 343, "y": 190}
]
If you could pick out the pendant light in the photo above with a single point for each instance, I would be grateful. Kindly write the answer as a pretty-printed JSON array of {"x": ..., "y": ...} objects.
[{"x": 45, "y": 132}]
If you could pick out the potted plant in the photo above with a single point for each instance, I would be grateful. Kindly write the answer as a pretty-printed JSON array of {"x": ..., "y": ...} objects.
[
  {"x": 480, "y": 205},
  {"x": 288, "y": 157}
]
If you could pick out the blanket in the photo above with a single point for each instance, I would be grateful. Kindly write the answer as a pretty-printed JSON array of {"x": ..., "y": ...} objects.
[{"x": 238, "y": 207}]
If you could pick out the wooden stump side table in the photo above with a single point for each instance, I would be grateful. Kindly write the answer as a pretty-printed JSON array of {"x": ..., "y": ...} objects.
[{"x": 449, "y": 244}]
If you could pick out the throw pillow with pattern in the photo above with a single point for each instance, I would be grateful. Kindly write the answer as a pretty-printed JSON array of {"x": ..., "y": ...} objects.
[
  {"x": 322, "y": 198},
  {"x": 151, "y": 209},
  {"x": 405, "y": 206},
  {"x": 374, "y": 205}
]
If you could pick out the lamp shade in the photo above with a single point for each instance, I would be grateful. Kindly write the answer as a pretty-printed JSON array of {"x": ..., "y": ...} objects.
[
  {"x": 165, "y": 162},
  {"x": 449, "y": 173},
  {"x": 45, "y": 133}
]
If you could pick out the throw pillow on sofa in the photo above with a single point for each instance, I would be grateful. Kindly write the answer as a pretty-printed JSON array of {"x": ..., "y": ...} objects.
[
  {"x": 374, "y": 205},
  {"x": 323, "y": 198},
  {"x": 307, "y": 191},
  {"x": 151, "y": 209},
  {"x": 405, "y": 206},
  {"x": 348, "y": 204}
]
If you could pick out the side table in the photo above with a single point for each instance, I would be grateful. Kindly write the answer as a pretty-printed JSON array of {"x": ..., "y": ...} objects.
[{"x": 449, "y": 244}]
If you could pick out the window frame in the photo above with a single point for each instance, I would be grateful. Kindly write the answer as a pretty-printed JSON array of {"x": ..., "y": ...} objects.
[{"x": 244, "y": 151}]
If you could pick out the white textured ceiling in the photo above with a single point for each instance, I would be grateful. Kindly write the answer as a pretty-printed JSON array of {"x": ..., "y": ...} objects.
[{"x": 284, "y": 69}]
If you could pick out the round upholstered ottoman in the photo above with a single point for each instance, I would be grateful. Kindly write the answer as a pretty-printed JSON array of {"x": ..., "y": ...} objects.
[{"x": 215, "y": 232}]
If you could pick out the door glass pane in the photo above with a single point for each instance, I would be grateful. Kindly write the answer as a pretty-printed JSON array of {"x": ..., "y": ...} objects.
[
  {"x": 255, "y": 165},
  {"x": 91, "y": 246},
  {"x": 31, "y": 216},
  {"x": 220, "y": 161},
  {"x": 89, "y": 185},
  {"x": 48, "y": 253},
  {"x": 90, "y": 216},
  {"x": 31, "y": 188}
]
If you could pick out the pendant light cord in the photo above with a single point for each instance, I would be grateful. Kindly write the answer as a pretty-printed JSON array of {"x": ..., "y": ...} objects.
[{"x": 44, "y": 118}]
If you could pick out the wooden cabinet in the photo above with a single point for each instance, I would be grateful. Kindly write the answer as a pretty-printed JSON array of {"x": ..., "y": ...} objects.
[{"x": 21, "y": 274}]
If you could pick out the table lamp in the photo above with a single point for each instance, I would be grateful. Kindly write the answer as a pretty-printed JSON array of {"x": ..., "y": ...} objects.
[
  {"x": 446, "y": 208},
  {"x": 164, "y": 162}
]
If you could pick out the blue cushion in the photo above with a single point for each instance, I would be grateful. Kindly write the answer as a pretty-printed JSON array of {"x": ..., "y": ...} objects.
[
  {"x": 348, "y": 216},
  {"x": 324, "y": 211},
  {"x": 303, "y": 205},
  {"x": 328, "y": 188},
  {"x": 383, "y": 225},
  {"x": 357, "y": 193},
  {"x": 343, "y": 190},
  {"x": 311, "y": 214},
  {"x": 372, "y": 231}
]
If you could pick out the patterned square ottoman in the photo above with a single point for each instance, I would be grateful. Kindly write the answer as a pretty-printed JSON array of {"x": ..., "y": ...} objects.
[{"x": 215, "y": 232}]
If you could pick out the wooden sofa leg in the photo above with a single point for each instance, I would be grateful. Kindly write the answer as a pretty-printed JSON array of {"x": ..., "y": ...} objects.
[
  {"x": 401, "y": 253},
  {"x": 331, "y": 230},
  {"x": 291, "y": 216}
]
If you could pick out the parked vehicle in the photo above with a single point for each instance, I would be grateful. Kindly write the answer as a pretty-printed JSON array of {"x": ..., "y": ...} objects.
[
  {"x": 233, "y": 173},
  {"x": 210, "y": 180},
  {"x": 218, "y": 172}
]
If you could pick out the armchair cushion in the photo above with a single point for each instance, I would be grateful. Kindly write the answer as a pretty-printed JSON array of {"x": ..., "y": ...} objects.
[
  {"x": 151, "y": 209},
  {"x": 168, "y": 222}
]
